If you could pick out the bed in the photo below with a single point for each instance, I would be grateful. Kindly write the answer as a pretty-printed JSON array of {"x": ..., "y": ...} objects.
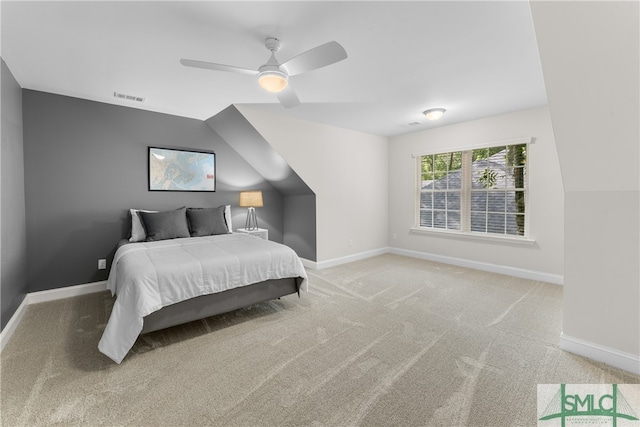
[{"x": 170, "y": 281}]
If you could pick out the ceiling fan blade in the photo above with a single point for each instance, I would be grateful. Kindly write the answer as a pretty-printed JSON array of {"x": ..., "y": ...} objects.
[
  {"x": 217, "y": 67},
  {"x": 318, "y": 57},
  {"x": 288, "y": 97}
]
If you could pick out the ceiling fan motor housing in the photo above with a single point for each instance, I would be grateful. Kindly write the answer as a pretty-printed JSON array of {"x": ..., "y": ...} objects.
[{"x": 273, "y": 44}]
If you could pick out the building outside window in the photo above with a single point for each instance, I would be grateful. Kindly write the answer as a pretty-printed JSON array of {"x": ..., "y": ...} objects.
[{"x": 481, "y": 190}]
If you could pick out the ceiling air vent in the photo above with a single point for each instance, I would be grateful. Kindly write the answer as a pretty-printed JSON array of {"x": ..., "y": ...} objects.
[
  {"x": 128, "y": 97},
  {"x": 413, "y": 123}
]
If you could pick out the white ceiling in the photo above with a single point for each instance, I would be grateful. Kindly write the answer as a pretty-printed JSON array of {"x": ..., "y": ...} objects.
[{"x": 475, "y": 59}]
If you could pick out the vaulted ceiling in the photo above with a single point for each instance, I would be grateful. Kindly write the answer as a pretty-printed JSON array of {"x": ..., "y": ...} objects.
[{"x": 475, "y": 59}]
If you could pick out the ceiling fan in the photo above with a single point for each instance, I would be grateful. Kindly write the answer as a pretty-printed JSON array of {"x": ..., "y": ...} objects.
[{"x": 274, "y": 76}]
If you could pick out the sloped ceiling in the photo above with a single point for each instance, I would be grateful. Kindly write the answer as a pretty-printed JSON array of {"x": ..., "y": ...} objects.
[{"x": 234, "y": 128}]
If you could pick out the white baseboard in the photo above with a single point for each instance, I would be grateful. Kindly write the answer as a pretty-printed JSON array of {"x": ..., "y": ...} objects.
[
  {"x": 309, "y": 264},
  {"x": 483, "y": 266},
  {"x": 66, "y": 292},
  {"x": 13, "y": 323},
  {"x": 460, "y": 262},
  {"x": 44, "y": 296},
  {"x": 618, "y": 359},
  {"x": 350, "y": 258}
]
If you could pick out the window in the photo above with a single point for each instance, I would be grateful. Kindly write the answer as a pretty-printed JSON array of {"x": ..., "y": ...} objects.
[{"x": 478, "y": 190}]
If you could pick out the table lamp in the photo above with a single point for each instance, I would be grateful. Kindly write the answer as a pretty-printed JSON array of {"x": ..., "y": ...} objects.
[{"x": 251, "y": 200}]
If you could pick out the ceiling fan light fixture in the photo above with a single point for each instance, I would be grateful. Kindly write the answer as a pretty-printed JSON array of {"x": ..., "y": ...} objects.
[
  {"x": 434, "y": 113},
  {"x": 273, "y": 81}
]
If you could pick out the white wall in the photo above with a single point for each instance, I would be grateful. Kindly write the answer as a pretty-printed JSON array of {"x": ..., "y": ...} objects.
[
  {"x": 590, "y": 54},
  {"x": 544, "y": 258},
  {"x": 347, "y": 170}
]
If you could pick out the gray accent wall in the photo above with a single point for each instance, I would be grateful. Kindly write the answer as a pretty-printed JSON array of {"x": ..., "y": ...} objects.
[
  {"x": 86, "y": 165},
  {"x": 300, "y": 224},
  {"x": 13, "y": 285},
  {"x": 299, "y": 209}
]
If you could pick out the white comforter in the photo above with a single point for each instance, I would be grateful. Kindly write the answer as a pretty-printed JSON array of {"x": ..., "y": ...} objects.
[{"x": 148, "y": 276}]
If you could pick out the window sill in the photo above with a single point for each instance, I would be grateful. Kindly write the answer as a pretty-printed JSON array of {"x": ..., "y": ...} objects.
[{"x": 516, "y": 240}]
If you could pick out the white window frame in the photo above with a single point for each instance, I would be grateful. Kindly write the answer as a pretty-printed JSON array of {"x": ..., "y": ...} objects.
[{"x": 465, "y": 197}]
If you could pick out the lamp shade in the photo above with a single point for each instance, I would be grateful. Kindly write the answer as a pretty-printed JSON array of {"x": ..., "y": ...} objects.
[{"x": 251, "y": 199}]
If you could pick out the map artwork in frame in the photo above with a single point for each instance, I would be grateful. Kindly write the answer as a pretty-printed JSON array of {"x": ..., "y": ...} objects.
[{"x": 181, "y": 170}]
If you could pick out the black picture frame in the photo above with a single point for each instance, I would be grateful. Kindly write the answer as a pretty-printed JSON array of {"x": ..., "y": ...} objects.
[{"x": 173, "y": 169}]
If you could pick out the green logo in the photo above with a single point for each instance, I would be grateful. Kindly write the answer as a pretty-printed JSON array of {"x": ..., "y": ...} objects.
[{"x": 585, "y": 403}]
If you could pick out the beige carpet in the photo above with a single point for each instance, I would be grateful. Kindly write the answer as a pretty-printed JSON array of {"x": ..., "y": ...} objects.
[{"x": 385, "y": 341}]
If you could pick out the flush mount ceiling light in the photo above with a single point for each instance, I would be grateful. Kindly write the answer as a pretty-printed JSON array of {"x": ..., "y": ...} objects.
[{"x": 434, "y": 113}]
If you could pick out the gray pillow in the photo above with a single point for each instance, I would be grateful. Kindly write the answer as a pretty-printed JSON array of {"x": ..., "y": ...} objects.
[
  {"x": 137, "y": 228},
  {"x": 165, "y": 225},
  {"x": 207, "y": 221}
]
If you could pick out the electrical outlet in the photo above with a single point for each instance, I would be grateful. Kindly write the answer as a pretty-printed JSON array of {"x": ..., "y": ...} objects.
[
  {"x": 350, "y": 242},
  {"x": 394, "y": 236},
  {"x": 102, "y": 264}
]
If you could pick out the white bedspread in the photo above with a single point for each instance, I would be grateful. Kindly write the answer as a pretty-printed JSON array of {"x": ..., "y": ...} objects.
[{"x": 148, "y": 276}]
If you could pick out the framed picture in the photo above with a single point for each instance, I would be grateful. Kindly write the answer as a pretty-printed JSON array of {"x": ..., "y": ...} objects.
[{"x": 181, "y": 170}]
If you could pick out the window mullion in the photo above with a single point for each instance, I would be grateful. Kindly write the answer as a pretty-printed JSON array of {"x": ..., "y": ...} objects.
[{"x": 465, "y": 192}]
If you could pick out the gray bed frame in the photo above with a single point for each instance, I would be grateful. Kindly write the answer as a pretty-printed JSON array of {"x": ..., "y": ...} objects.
[{"x": 222, "y": 302}]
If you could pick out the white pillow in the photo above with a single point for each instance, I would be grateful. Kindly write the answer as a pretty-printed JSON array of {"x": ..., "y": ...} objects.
[
  {"x": 137, "y": 229},
  {"x": 227, "y": 217}
]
